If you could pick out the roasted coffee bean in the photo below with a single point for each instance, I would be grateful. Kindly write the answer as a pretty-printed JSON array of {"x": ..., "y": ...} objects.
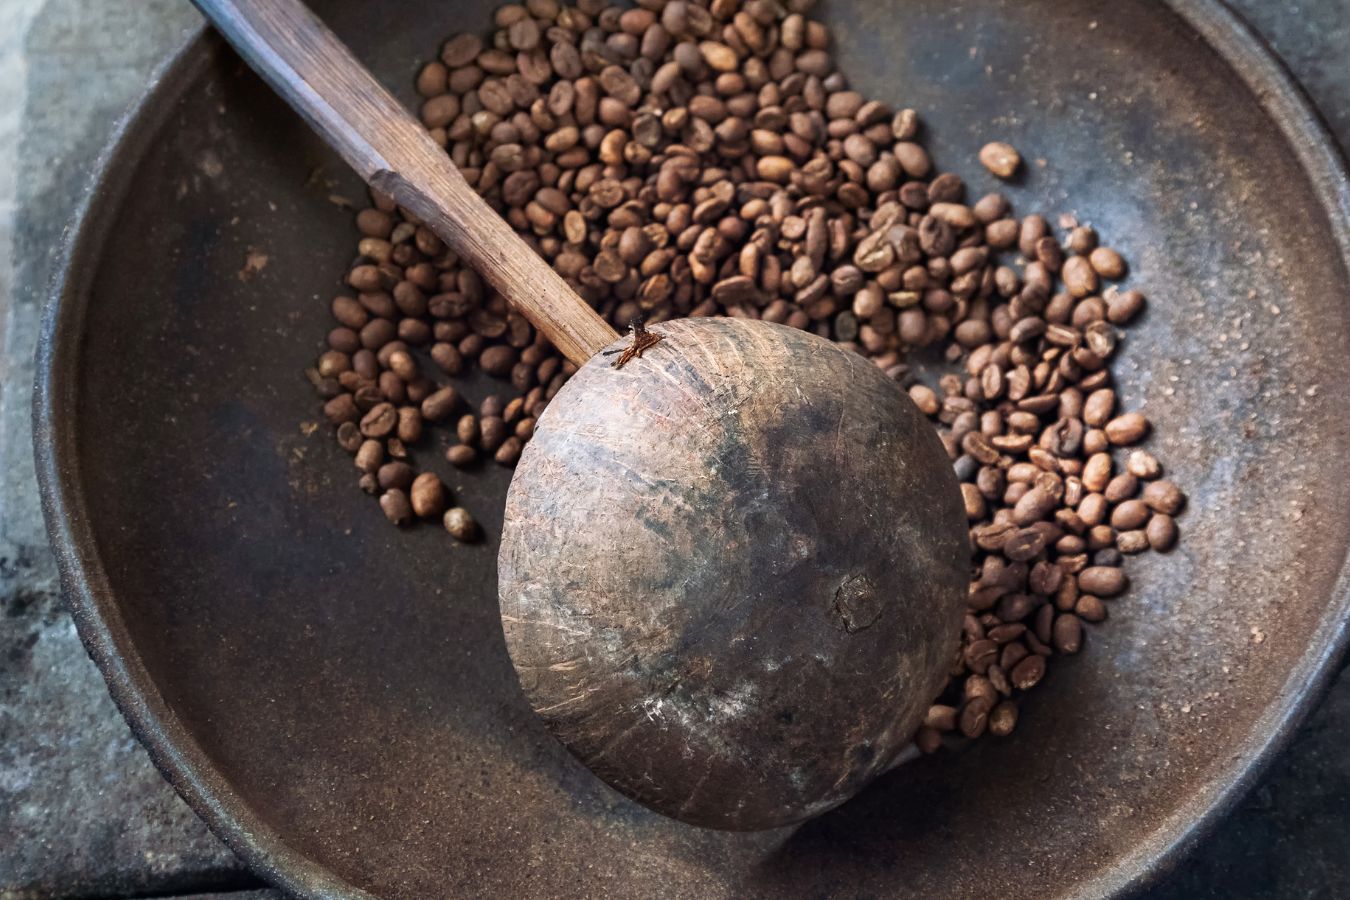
[
  {"x": 1068, "y": 633},
  {"x": 1090, "y": 608},
  {"x": 439, "y": 405},
  {"x": 1102, "y": 581},
  {"x": 509, "y": 451},
  {"x": 975, "y": 717},
  {"x": 1002, "y": 160},
  {"x": 492, "y": 432},
  {"x": 461, "y": 455},
  {"x": 1003, "y": 719},
  {"x": 396, "y": 506},
  {"x": 1161, "y": 532},
  {"x": 1028, "y": 673},
  {"x": 427, "y": 495},
  {"x": 1127, "y": 429},
  {"x": 380, "y": 421},
  {"x": 369, "y": 455},
  {"x": 460, "y": 524},
  {"x": 396, "y": 474},
  {"x": 1164, "y": 497},
  {"x": 1129, "y": 515}
]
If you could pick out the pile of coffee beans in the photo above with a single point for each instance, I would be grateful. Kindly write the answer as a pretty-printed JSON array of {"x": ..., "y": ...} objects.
[{"x": 706, "y": 158}]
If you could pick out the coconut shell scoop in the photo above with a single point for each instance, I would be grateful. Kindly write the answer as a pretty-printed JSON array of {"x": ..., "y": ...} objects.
[{"x": 734, "y": 559}]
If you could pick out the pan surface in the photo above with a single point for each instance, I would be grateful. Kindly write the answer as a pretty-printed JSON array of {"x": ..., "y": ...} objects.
[{"x": 334, "y": 697}]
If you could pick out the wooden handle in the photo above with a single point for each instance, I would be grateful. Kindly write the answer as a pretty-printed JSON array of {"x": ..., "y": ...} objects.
[{"x": 317, "y": 75}]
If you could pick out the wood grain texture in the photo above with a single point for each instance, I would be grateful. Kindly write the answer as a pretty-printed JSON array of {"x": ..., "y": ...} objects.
[
  {"x": 732, "y": 574},
  {"x": 318, "y": 76}
]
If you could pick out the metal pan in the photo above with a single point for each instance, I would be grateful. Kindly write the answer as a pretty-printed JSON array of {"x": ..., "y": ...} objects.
[{"x": 334, "y": 698}]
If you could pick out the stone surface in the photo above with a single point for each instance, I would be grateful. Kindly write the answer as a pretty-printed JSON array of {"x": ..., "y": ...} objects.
[{"x": 82, "y": 811}]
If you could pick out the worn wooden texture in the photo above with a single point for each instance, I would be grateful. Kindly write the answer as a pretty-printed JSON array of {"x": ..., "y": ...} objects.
[
  {"x": 732, "y": 573},
  {"x": 318, "y": 76}
]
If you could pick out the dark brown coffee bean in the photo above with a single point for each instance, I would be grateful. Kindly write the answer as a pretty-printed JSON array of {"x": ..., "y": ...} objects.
[
  {"x": 509, "y": 451},
  {"x": 1068, "y": 633},
  {"x": 975, "y": 717},
  {"x": 439, "y": 405},
  {"x": 448, "y": 358},
  {"x": 380, "y": 421},
  {"x": 1090, "y": 609},
  {"x": 461, "y": 455},
  {"x": 1003, "y": 719},
  {"x": 1028, "y": 673},
  {"x": 396, "y": 474},
  {"x": 492, "y": 432}
]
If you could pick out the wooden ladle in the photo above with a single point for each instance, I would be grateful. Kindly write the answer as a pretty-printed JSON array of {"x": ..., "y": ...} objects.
[{"x": 733, "y": 570}]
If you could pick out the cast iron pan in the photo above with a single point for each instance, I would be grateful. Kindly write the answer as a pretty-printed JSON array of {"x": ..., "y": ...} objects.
[{"x": 334, "y": 697}]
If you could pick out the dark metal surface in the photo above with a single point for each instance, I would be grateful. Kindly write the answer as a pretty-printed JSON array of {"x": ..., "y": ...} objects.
[{"x": 334, "y": 697}]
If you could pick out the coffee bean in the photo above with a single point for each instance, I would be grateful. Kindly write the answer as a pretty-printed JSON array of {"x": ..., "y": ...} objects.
[
  {"x": 369, "y": 455},
  {"x": 1129, "y": 515},
  {"x": 1107, "y": 263},
  {"x": 1003, "y": 719},
  {"x": 1068, "y": 633},
  {"x": 1131, "y": 542},
  {"x": 1080, "y": 279},
  {"x": 1127, "y": 429},
  {"x": 396, "y": 474},
  {"x": 1143, "y": 465},
  {"x": 492, "y": 432},
  {"x": 975, "y": 717},
  {"x": 461, "y": 455},
  {"x": 1102, "y": 581},
  {"x": 1028, "y": 673},
  {"x": 396, "y": 506},
  {"x": 1002, "y": 160},
  {"x": 380, "y": 421},
  {"x": 1124, "y": 306},
  {"x": 1090, "y": 608},
  {"x": 1161, "y": 532},
  {"x": 1164, "y": 497},
  {"x": 509, "y": 451},
  {"x": 461, "y": 525},
  {"x": 439, "y": 405},
  {"x": 427, "y": 495}
]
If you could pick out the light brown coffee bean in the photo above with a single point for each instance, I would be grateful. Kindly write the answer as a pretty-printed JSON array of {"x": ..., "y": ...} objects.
[
  {"x": 461, "y": 525},
  {"x": 1001, "y": 159},
  {"x": 1164, "y": 496},
  {"x": 1127, "y": 429},
  {"x": 1102, "y": 581},
  {"x": 427, "y": 495},
  {"x": 396, "y": 506},
  {"x": 1161, "y": 532}
]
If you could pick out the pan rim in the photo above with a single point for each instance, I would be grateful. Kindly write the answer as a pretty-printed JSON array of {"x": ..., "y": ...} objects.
[{"x": 190, "y": 770}]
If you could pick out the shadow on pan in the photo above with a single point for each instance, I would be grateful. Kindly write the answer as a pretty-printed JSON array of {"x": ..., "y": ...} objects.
[{"x": 334, "y": 697}]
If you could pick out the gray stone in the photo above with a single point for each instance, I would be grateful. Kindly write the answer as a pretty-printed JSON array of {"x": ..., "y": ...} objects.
[{"x": 82, "y": 810}]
